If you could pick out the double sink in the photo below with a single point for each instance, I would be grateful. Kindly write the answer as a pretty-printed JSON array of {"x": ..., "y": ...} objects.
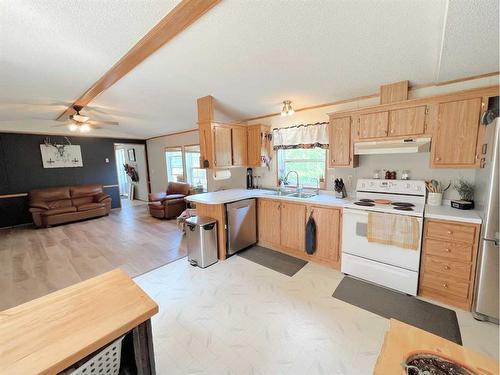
[{"x": 294, "y": 194}]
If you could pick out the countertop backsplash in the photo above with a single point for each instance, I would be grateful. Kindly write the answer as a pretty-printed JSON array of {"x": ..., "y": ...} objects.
[{"x": 416, "y": 164}]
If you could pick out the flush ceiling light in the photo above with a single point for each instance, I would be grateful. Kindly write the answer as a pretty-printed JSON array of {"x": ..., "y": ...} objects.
[
  {"x": 287, "y": 108},
  {"x": 73, "y": 127}
]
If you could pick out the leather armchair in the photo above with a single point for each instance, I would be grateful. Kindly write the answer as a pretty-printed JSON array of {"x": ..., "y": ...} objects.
[{"x": 169, "y": 204}]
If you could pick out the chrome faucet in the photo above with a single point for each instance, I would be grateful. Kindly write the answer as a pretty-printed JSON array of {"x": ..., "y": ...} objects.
[{"x": 285, "y": 180}]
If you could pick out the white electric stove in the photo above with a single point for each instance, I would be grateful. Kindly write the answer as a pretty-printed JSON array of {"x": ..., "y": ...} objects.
[{"x": 387, "y": 265}]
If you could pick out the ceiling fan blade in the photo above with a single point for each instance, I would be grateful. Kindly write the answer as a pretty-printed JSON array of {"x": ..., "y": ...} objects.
[{"x": 101, "y": 122}]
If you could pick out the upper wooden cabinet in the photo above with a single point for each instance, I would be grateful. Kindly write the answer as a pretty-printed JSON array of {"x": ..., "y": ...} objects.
[
  {"x": 223, "y": 145},
  {"x": 340, "y": 143},
  {"x": 239, "y": 143},
  {"x": 455, "y": 141},
  {"x": 258, "y": 145},
  {"x": 450, "y": 120},
  {"x": 373, "y": 125},
  {"x": 407, "y": 121}
]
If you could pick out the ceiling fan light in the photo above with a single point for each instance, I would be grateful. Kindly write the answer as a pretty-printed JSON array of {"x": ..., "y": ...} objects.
[
  {"x": 84, "y": 128},
  {"x": 73, "y": 127},
  {"x": 80, "y": 118}
]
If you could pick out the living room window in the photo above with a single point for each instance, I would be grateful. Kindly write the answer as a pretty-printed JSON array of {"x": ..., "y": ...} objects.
[
  {"x": 183, "y": 165},
  {"x": 309, "y": 163}
]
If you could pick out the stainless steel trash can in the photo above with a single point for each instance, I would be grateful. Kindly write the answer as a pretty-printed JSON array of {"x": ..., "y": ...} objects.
[{"x": 201, "y": 241}]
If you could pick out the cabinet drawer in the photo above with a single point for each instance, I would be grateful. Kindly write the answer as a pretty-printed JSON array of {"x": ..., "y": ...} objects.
[
  {"x": 445, "y": 286},
  {"x": 451, "y": 231},
  {"x": 447, "y": 268},
  {"x": 451, "y": 250}
]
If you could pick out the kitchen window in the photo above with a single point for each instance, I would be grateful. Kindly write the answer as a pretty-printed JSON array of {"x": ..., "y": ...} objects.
[
  {"x": 309, "y": 163},
  {"x": 183, "y": 165}
]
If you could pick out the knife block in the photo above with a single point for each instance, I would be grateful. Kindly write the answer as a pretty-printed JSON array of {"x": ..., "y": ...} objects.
[{"x": 341, "y": 194}]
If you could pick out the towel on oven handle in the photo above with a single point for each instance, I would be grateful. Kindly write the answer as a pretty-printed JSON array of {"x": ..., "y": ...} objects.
[{"x": 395, "y": 230}]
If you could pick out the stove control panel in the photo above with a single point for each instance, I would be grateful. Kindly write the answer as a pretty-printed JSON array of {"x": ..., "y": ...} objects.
[{"x": 409, "y": 187}]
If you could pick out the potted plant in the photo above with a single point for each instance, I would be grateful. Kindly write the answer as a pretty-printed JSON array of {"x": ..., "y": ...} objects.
[
  {"x": 465, "y": 189},
  {"x": 435, "y": 192}
]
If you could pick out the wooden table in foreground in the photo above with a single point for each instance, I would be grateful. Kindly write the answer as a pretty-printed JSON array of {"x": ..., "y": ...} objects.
[
  {"x": 403, "y": 340},
  {"x": 51, "y": 333}
]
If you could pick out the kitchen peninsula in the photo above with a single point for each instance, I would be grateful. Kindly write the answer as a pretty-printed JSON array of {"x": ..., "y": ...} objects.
[{"x": 281, "y": 221}]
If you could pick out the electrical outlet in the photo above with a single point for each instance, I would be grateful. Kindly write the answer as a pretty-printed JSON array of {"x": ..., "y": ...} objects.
[
  {"x": 106, "y": 160},
  {"x": 349, "y": 181}
]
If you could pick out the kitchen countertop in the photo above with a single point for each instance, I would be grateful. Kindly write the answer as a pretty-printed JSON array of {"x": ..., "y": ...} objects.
[
  {"x": 403, "y": 340},
  {"x": 453, "y": 214},
  {"x": 232, "y": 195},
  {"x": 51, "y": 333}
]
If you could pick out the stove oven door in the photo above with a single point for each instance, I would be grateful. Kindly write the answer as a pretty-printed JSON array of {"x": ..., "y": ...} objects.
[{"x": 355, "y": 242}]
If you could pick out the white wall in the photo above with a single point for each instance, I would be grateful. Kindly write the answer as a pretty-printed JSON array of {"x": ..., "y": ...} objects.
[
  {"x": 158, "y": 165},
  {"x": 417, "y": 164},
  {"x": 141, "y": 191}
]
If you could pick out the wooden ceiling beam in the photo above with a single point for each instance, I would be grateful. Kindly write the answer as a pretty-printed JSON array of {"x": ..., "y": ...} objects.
[{"x": 178, "y": 19}]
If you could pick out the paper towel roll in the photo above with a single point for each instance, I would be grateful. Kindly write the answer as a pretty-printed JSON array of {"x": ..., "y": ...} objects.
[{"x": 224, "y": 174}]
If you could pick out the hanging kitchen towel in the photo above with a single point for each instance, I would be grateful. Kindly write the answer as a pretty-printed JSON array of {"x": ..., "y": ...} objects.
[
  {"x": 396, "y": 230},
  {"x": 310, "y": 235}
]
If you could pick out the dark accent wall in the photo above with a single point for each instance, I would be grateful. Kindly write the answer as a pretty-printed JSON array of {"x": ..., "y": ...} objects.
[{"x": 21, "y": 170}]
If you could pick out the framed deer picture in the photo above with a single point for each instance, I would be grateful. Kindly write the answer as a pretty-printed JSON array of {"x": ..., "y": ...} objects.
[{"x": 61, "y": 155}]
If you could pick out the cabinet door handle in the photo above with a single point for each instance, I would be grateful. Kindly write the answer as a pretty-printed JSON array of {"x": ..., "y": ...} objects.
[
  {"x": 392, "y": 131},
  {"x": 437, "y": 158},
  {"x": 445, "y": 285},
  {"x": 447, "y": 250},
  {"x": 449, "y": 232},
  {"x": 447, "y": 268}
]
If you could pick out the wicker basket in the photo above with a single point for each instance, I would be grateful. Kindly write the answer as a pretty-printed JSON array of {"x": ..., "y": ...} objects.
[{"x": 106, "y": 362}]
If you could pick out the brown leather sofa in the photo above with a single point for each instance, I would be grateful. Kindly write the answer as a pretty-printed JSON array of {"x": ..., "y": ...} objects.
[
  {"x": 169, "y": 204},
  {"x": 64, "y": 204}
]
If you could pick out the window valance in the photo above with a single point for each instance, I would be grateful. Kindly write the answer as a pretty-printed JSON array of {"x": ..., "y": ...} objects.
[{"x": 301, "y": 136}]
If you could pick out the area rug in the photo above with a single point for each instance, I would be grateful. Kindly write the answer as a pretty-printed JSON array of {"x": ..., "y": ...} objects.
[
  {"x": 390, "y": 304},
  {"x": 274, "y": 260}
]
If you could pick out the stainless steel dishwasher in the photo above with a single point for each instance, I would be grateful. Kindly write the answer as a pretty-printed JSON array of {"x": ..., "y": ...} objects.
[{"x": 241, "y": 225}]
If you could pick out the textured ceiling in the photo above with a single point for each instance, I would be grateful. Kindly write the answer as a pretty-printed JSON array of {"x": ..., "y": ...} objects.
[
  {"x": 250, "y": 55},
  {"x": 471, "y": 40}
]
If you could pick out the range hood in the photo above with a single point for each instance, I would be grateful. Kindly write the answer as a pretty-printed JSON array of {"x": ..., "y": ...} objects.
[{"x": 399, "y": 146}]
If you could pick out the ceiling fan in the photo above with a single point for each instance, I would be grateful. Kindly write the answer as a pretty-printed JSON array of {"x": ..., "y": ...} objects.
[{"x": 83, "y": 123}]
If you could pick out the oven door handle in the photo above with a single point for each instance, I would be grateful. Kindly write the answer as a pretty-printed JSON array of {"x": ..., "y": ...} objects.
[{"x": 351, "y": 211}]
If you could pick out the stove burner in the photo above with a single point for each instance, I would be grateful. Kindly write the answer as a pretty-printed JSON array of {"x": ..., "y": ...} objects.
[
  {"x": 364, "y": 203},
  {"x": 367, "y": 200},
  {"x": 403, "y": 208},
  {"x": 402, "y": 204}
]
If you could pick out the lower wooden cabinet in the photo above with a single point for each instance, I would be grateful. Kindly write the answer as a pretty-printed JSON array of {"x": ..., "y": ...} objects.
[
  {"x": 293, "y": 226},
  {"x": 449, "y": 261},
  {"x": 327, "y": 233},
  {"x": 282, "y": 226},
  {"x": 269, "y": 221}
]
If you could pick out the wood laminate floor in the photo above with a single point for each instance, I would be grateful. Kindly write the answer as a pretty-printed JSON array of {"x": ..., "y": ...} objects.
[{"x": 34, "y": 262}]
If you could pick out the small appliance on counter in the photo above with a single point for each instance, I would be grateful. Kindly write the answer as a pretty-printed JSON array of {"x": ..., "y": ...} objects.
[
  {"x": 462, "y": 205},
  {"x": 339, "y": 188},
  {"x": 249, "y": 178}
]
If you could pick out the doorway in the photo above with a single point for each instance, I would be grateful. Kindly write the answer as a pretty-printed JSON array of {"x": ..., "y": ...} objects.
[
  {"x": 133, "y": 182},
  {"x": 122, "y": 176}
]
